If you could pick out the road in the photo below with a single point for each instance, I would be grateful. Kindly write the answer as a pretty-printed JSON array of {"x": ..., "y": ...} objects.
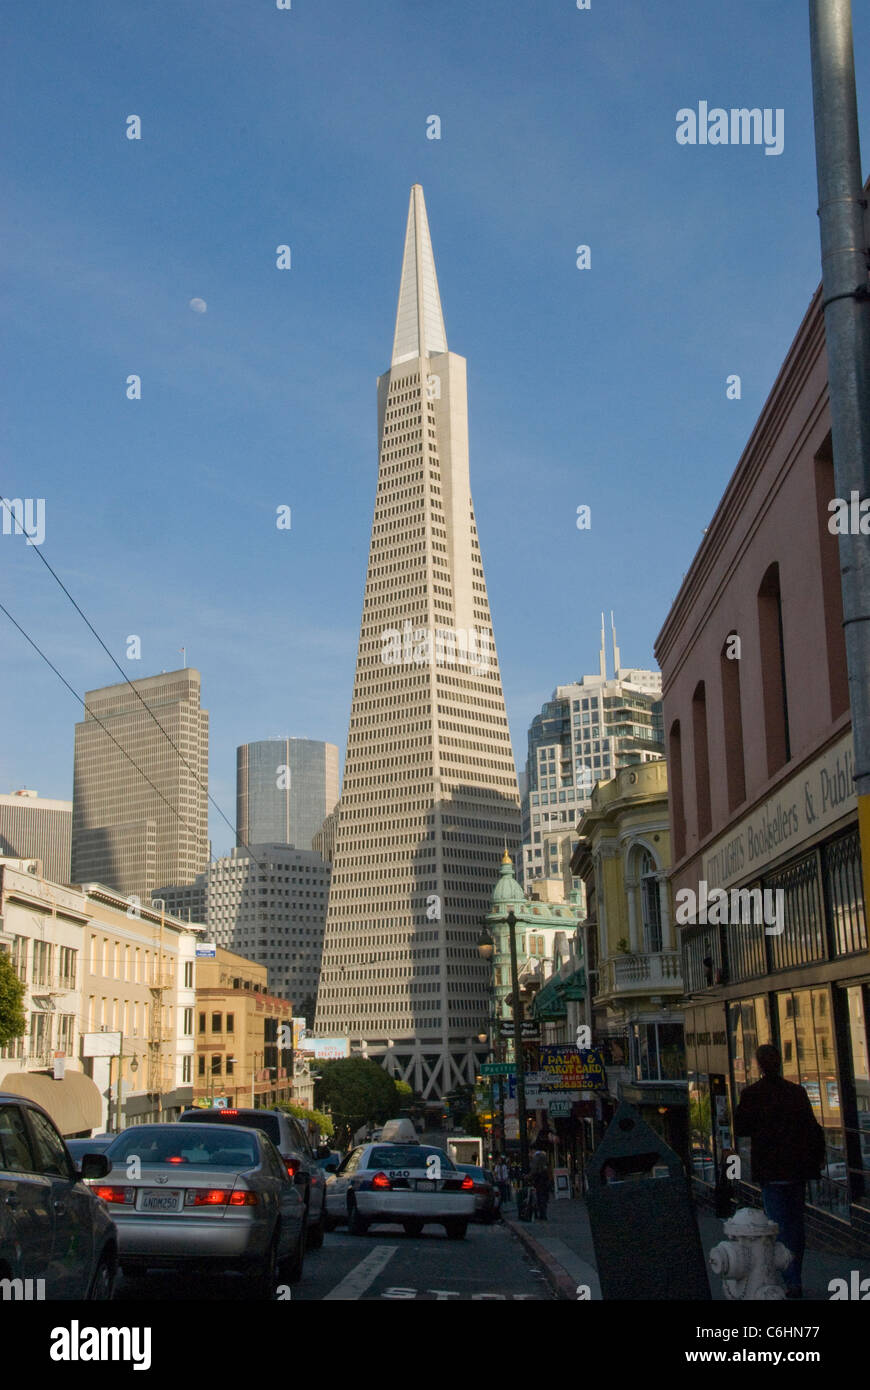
[{"x": 489, "y": 1265}]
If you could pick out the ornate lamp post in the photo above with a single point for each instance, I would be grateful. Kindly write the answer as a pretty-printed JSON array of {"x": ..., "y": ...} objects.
[{"x": 486, "y": 947}]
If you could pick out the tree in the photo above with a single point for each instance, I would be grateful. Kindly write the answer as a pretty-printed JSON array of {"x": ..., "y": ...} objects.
[
  {"x": 405, "y": 1092},
  {"x": 316, "y": 1118},
  {"x": 357, "y": 1092},
  {"x": 12, "y": 1021}
]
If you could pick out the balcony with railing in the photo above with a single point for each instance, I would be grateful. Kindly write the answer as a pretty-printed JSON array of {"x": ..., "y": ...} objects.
[{"x": 627, "y": 974}]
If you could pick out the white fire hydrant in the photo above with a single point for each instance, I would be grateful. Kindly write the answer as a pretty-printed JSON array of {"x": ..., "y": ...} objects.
[{"x": 749, "y": 1258}]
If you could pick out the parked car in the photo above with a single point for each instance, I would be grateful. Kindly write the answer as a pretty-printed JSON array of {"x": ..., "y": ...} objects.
[
  {"x": 291, "y": 1141},
  {"x": 185, "y": 1195},
  {"x": 487, "y": 1199},
  {"x": 394, "y": 1183},
  {"x": 52, "y": 1226}
]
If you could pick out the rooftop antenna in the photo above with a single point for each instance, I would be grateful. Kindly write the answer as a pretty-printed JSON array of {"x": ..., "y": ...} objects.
[
  {"x": 602, "y": 657},
  {"x": 616, "y": 659}
]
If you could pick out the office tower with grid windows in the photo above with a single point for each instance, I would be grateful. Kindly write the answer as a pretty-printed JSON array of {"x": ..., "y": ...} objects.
[
  {"x": 129, "y": 833},
  {"x": 430, "y": 798},
  {"x": 584, "y": 734},
  {"x": 36, "y": 827},
  {"x": 285, "y": 789}
]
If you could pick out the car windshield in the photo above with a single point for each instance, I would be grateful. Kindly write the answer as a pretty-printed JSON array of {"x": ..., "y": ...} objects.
[
  {"x": 79, "y": 1147},
  {"x": 176, "y": 1146},
  {"x": 405, "y": 1156}
]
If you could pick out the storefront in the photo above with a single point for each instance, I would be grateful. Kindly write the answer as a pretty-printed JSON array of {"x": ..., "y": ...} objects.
[{"x": 806, "y": 989}]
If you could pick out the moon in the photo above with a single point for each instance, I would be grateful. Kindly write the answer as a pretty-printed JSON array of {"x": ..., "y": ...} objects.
[{"x": 198, "y": 306}]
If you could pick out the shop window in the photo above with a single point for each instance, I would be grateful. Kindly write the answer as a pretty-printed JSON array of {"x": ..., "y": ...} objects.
[
  {"x": 802, "y": 939},
  {"x": 845, "y": 894}
]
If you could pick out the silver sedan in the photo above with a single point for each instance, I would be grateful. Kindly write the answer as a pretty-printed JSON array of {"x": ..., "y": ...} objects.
[
  {"x": 411, "y": 1185},
  {"x": 195, "y": 1195}
]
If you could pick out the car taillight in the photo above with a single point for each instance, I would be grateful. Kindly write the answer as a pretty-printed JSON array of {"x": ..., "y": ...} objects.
[
  {"x": 176, "y": 1158},
  {"x": 125, "y": 1195},
  {"x": 468, "y": 1183},
  {"x": 293, "y": 1166},
  {"x": 218, "y": 1197},
  {"x": 381, "y": 1180},
  {"x": 222, "y": 1113}
]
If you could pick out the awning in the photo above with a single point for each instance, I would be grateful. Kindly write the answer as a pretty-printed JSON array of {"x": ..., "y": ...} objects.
[{"x": 74, "y": 1103}]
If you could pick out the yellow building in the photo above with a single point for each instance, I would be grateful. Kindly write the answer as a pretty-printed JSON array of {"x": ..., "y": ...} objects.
[
  {"x": 239, "y": 1053},
  {"x": 631, "y": 950}
]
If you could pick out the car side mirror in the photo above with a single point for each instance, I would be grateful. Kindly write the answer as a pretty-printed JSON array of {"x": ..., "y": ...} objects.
[
  {"x": 331, "y": 1167},
  {"x": 95, "y": 1166}
]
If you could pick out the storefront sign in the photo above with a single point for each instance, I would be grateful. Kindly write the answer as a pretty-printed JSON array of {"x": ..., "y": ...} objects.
[
  {"x": 566, "y": 1069},
  {"x": 807, "y": 803}
]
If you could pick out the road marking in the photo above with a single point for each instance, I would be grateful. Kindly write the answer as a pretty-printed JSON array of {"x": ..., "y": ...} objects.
[{"x": 364, "y": 1274}]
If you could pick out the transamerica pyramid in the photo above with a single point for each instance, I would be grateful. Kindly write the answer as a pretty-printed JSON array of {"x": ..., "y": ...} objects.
[{"x": 429, "y": 801}]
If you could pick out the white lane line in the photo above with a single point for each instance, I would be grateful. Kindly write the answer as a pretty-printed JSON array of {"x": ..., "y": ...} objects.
[{"x": 364, "y": 1275}]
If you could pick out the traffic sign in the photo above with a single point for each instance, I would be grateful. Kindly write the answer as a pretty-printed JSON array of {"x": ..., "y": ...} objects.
[{"x": 497, "y": 1069}]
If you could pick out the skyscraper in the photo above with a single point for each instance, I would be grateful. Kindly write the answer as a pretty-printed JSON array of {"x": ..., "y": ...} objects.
[
  {"x": 285, "y": 789},
  {"x": 430, "y": 797},
  {"x": 125, "y": 833},
  {"x": 584, "y": 734},
  {"x": 35, "y": 827}
]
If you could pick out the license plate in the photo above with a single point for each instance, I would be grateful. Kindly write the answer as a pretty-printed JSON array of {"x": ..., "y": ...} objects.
[
  {"x": 156, "y": 1199},
  {"x": 427, "y": 1184}
]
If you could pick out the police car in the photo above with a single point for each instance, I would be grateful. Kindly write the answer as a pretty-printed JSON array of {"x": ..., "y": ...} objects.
[{"x": 410, "y": 1185}]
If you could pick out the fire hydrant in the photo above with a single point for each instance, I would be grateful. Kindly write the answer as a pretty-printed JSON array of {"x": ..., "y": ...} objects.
[{"x": 749, "y": 1258}]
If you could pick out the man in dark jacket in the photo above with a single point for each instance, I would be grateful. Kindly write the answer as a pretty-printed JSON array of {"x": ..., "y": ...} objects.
[{"x": 788, "y": 1150}]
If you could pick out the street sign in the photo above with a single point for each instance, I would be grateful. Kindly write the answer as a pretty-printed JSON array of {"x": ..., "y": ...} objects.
[
  {"x": 531, "y": 1031},
  {"x": 497, "y": 1069},
  {"x": 205, "y": 950}
]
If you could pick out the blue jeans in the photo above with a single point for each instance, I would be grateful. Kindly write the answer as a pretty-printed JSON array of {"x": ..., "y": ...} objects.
[{"x": 784, "y": 1204}]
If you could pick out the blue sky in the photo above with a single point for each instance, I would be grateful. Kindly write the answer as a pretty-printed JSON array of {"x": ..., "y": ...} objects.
[{"x": 262, "y": 127}]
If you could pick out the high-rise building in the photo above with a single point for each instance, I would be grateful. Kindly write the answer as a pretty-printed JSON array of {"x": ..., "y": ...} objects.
[
  {"x": 583, "y": 735},
  {"x": 127, "y": 833},
  {"x": 268, "y": 903},
  {"x": 35, "y": 827},
  {"x": 285, "y": 788},
  {"x": 430, "y": 790}
]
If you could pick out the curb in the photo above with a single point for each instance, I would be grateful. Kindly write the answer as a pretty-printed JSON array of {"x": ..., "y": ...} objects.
[{"x": 559, "y": 1279}]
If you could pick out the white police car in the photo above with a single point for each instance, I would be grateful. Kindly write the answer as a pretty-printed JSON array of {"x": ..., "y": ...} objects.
[{"x": 411, "y": 1185}]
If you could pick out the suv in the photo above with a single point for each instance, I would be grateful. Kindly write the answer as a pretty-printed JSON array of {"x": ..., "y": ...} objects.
[
  {"x": 291, "y": 1141},
  {"x": 56, "y": 1236}
]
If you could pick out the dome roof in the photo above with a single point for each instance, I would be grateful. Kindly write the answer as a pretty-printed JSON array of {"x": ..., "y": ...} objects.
[{"x": 507, "y": 892}]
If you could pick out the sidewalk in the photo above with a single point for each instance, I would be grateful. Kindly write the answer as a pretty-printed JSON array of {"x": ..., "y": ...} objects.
[{"x": 563, "y": 1249}]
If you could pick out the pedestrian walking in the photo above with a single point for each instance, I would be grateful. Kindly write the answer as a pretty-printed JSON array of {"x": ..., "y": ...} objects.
[
  {"x": 540, "y": 1175},
  {"x": 502, "y": 1177},
  {"x": 788, "y": 1150}
]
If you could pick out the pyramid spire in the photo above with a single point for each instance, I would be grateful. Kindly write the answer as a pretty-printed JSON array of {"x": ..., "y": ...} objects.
[{"x": 420, "y": 327}]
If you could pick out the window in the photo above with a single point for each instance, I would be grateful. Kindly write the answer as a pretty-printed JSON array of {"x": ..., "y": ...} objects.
[
  {"x": 651, "y": 908},
  {"x": 202, "y": 1023},
  {"x": 773, "y": 673},
  {"x": 188, "y": 974},
  {"x": 216, "y": 1064},
  {"x": 50, "y": 1151},
  {"x": 735, "y": 775},
  {"x": 201, "y": 1065},
  {"x": 15, "y": 1154},
  {"x": 675, "y": 783},
  {"x": 702, "y": 759},
  {"x": 187, "y": 1068},
  {"x": 231, "y": 1023},
  {"x": 217, "y": 1023},
  {"x": 188, "y": 1023}
]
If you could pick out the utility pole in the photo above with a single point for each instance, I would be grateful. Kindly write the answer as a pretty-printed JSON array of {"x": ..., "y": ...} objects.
[{"x": 843, "y": 229}]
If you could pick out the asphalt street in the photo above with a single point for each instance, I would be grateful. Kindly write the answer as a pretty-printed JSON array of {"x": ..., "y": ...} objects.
[{"x": 489, "y": 1264}]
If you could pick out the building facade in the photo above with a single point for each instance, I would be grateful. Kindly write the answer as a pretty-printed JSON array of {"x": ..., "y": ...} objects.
[
  {"x": 240, "y": 1057},
  {"x": 127, "y": 833},
  {"x": 268, "y": 903},
  {"x": 36, "y": 827},
  {"x": 583, "y": 735},
  {"x": 96, "y": 967},
  {"x": 430, "y": 791},
  {"x": 631, "y": 948},
  {"x": 285, "y": 788},
  {"x": 755, "y": 688}
]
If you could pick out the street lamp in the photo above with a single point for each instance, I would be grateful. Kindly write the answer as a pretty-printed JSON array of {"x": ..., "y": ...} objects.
[{"x": 486, "y": 947}]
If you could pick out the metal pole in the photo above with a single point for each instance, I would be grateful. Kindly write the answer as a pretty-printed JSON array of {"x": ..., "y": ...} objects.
[
  {"x": 846, "y": 303},
  {"x": 519, "y": 1059}
]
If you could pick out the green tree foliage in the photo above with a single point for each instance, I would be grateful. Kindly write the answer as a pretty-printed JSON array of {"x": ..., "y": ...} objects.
[
  {"x": 317, "y": 1118},
  {"x": 357, "y": 1092},
  {"x": 11, "y": 1002},
  {"x": 405, "y": 1092}
]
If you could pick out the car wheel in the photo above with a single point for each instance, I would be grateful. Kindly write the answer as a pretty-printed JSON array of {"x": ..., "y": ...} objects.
[
  {"x": 103, "y": 1283},
  {"x": 290, "y": 1269},
  {"x": 265, "y": 1276},
  {"x": 356, "y": 1224},
  {"x": 413, "y": 1228},
  {"x": 456, "y": 1229},
  {"x": 314, "y": 1237}
]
